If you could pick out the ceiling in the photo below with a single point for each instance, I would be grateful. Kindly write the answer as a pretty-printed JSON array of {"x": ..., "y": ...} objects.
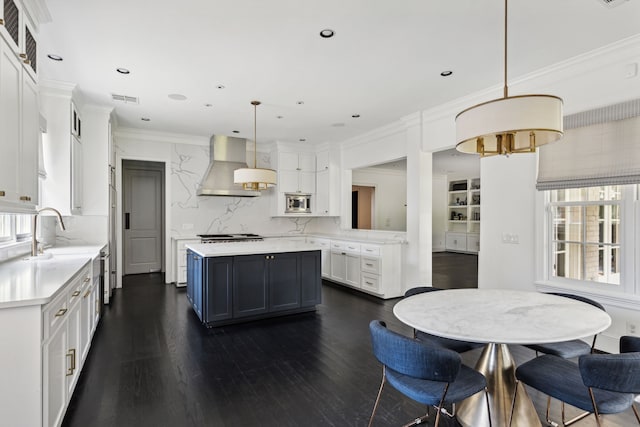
[{"x": 384, "y": 61}]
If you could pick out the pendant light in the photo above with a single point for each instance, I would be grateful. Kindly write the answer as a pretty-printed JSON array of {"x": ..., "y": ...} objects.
[
  {"x": 511, "y": 124},
  {"x": 254, "y": 178}
]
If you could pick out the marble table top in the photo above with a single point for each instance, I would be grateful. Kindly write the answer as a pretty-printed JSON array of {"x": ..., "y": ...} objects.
[{"x": 501, "y": 316}]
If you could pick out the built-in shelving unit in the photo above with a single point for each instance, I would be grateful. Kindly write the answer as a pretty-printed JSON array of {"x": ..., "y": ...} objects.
[{"x": 463, "y": 215}]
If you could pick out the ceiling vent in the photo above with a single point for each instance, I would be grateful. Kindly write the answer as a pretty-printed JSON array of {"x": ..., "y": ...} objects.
[
  {"x": 124, "y": 98},
  {"x": 612, "y": 3}
]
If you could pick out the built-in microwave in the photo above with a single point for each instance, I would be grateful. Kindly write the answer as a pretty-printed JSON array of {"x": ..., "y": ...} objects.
[{"x": 297, "y": 203}]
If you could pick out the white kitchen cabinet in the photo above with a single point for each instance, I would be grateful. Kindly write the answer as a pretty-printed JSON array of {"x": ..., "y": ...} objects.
[
  {"x": 296, "y": 172},
  {"x": 63, "y": 153},
  {"x": 180, "y": 259},
  {"x": 18, "y": 134},
  {"x": 55, "y": 368},
  {"x": 12, "y": 23},
  {"x": 65, "y": 337},
  {"x": 456, "y": 242},
  {"x": 372, "y": 268},
  {"x": 77, "y": 175},
  {"x": 325, "y": 250}
]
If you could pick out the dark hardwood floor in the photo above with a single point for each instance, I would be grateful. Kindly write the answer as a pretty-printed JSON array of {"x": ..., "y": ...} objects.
[
  {"x": 454, "y": 270},
  {"x": 153, "y": 364}
]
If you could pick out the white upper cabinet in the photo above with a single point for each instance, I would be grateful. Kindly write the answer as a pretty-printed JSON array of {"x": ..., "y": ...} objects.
[
  {"x": 296, "y": 172},
  {"x": 19, "y": 134},
  {"x": 63, "y": 153},
  {"x": 20, "y": 33}
]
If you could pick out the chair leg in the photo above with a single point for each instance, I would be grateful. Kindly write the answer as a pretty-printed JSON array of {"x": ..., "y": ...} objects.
[
  {"x": 441, "y": 405},
  {"x": 375, "y": 405},
  {"x": 595, "y": 407},
  {"x": 548, "y": 411},
  {"x": 635, "y": 411}
]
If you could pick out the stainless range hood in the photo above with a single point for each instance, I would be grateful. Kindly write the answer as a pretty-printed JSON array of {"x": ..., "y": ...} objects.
[{"x": 226, "y": 155}]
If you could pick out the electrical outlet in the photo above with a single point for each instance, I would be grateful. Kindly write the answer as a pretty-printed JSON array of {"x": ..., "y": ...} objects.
[{"x": 632, "y": 328}]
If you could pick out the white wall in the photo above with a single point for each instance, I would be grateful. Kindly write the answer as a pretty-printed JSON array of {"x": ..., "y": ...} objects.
[
  {"x": 390, "y": 203},
  {"x": 439, "y": 213}
]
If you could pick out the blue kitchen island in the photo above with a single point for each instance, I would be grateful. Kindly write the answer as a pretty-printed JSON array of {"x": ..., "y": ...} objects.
[{"x": 243, "y": 281}]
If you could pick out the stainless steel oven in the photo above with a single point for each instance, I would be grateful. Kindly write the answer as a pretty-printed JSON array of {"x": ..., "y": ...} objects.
[{"x": 297, "y": 203}]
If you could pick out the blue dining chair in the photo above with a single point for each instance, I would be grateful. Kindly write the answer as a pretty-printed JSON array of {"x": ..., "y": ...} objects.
[
  {"x": 427, "y": 374},
  {"x": 448, "y": 343},
  {"x": 572, "y": 348},
  {"x": 599, "y": 383}
]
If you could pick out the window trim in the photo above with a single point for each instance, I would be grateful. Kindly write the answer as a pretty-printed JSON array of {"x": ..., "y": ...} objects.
[{"x": 627, "y": 294}]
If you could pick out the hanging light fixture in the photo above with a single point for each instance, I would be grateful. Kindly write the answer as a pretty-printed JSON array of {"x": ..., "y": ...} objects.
[
  {"x": 511, "y": 124},
  {"x": 254, "y": 178}
]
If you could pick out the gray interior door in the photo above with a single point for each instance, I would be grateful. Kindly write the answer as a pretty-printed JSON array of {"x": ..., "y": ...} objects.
[{"x": 142, "y": 185}]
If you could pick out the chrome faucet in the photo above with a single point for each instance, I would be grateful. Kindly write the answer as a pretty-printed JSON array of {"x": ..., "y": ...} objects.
[{"x": 34, "y": 242}]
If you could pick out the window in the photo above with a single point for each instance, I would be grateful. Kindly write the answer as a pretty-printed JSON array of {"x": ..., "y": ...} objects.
[
  {"x": 14, "y": 228},
  {"x": 587, "y": 239}
]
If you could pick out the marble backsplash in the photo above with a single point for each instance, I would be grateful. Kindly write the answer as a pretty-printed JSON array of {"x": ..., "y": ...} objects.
[{"x": 192, "y": 214}]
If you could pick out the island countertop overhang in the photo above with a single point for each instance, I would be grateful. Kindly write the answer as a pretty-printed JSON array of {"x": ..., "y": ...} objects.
[{"x": 250, "y": 248}]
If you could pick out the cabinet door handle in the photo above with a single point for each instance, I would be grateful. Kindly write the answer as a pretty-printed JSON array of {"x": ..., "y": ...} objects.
[
  {"x": 2, "y": 193},
  {"x": 86, "y": 279},
  {"x": 75, "y": 294},
  {"x": 25, "y": 198},
  {"x": 343, "y": 253},
  {"x": 22, "y": 55},
  {"x": 70, "y": 354},
  {"x": 126, "y": 220},
  {"x": 1, "y": 21},
  {"x": 86, "y": 294},
  {"x": 61, "y": 312}
]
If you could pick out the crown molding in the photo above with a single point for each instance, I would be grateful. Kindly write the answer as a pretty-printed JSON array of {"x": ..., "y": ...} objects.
[
  {"x": 56, "y": 88},
  {"x": 153, "y": 136}
]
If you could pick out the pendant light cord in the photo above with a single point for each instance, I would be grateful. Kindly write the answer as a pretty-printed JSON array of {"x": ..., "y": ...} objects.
[
  {"x": 506, "y": 89},
  {"x": 255, "y": 133}
]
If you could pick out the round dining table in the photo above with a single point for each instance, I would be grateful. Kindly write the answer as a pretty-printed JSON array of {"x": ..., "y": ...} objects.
[{"x": 498, "y": 317}]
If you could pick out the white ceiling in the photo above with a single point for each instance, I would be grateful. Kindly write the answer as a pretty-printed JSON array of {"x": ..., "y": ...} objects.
[{"x": 384, "y": 61}]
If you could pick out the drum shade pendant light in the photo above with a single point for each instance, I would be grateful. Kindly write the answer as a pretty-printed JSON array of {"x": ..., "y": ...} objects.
[
  {"x": 254, "y": 178},
  {"x": 512, "y": 124}
]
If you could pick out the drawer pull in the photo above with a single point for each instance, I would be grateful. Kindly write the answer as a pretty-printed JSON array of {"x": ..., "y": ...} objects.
[
  {"x": 86, "y": 279},
  {"x": 61, "y": 312},
  {"x": 22, "y": 55},
  {"x": 75, "y": 294},
  {"x": 25, "y": 198},
  {"x": 368, "y": 264},
  {"x": 369, "y": 283},
  {"x": 2, "y": 193},
  {"x": 86, "y": 294}
]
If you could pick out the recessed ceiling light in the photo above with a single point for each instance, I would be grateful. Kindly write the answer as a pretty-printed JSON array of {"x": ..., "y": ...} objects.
[
  {"x": 123, "y": 70},
  {"x": 355, "y": 116},
  {"x": 208, "y": 105},
  {"x": 177, "y": 97},
  {"x": 300, "y": 102},
  {"x": 54, "y": 57},
  {"x": 446, "y": 73},
  {"x": 327, "y": 33},
  {"x": 145, "y": 119},
  {"x": 235, "y": 131},
  {"x": 220, "y": 86}
]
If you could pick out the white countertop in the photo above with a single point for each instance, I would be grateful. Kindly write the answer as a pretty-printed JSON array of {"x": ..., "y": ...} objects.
[
  {"x": 501, "y": 316},
  {"x": 250, "y": 248},
  {"x": 26, "y": 282}
]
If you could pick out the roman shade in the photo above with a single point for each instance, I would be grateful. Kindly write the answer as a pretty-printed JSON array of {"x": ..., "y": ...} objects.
[{"x": 600, "y": 147}]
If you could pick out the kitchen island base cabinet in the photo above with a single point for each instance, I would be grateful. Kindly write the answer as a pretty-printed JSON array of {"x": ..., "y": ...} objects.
[{"x": 248, "y": 287}]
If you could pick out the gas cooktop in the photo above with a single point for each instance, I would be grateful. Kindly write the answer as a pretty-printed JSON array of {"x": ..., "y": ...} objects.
[{"x": 232, "y": 237}]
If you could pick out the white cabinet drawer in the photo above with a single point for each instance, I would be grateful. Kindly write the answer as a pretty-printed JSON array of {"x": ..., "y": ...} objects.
[
  {"x": 337, "y": 245},
  {"x": 323, "y": 243},
  {"x": 370, "y": 282},
  {"x": 373, "y": 250},
  {"x": 54, "y": 313},
  {"x": 371, "y": 265}
]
